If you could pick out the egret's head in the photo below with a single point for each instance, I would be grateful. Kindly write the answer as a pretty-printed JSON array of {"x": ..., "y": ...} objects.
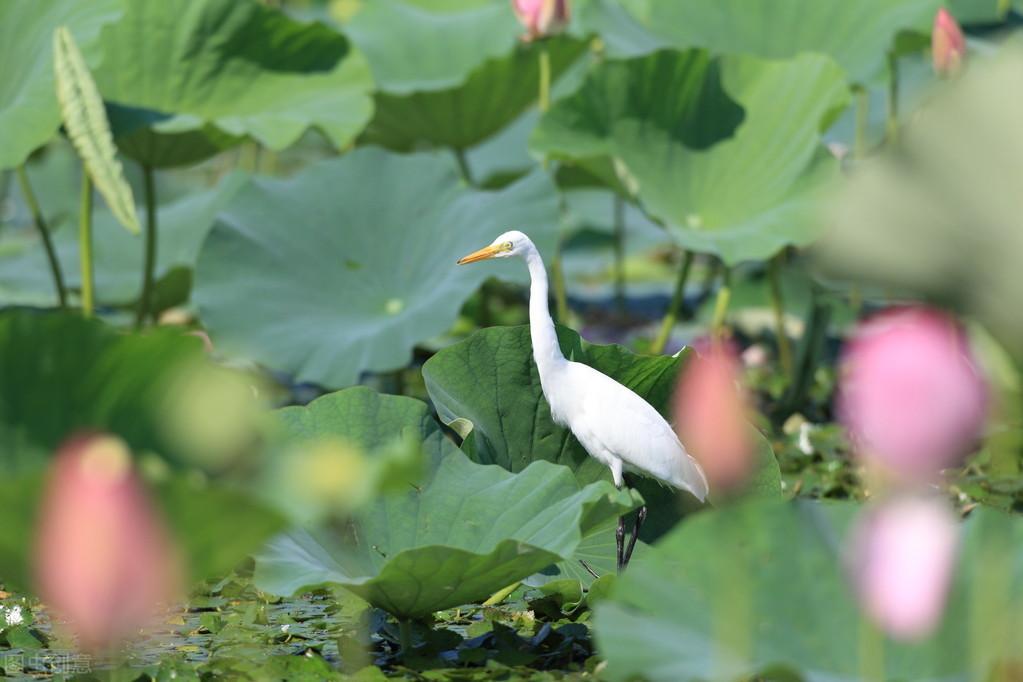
[{"x": 511, "y": 243}]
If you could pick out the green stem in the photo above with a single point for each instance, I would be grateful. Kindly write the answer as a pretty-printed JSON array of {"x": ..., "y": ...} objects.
[
  {"x": 721, "y": 303},
  {"x": 502, "y": 594},
  {"x": 44, "y": 233},
  {"x": 560, "y": 295},
  {"x": 619, "y": 225},
  {"x": 811, "y": 347},
  {"x": 778, "y": 304},
  {"x": 545, "y": 80},
  {"x": 677, "y": 297},
  {"x": 862, "y": 121},
  {"x": 85, "y": 245},
  {"x": 871, "y": 651},
  {"x": 405, "y": 635},
  {"x": 463, "y": 166},
  {"x": 892, "y": 121},
  {"x": 149, "y": 267}
]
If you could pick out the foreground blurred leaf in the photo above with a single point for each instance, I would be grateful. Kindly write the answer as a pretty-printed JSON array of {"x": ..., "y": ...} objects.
[
  {"x": 855, "y": 34},
  {"x": 64, "y": 374},
  {"x": 368, "y": 276},
  {"x": 460, "y": 534},
  {"x": 29, "y": 115},
  {"x": 742, "y": 197},
  {"x": 344, "y": 448},
  {"x": 86, "y": 123},
  {"x": 939, "y": 215},
  {"x": 449, "y": 74},
  {"x": 732, "y": 592},
  {"x": 220, "y": 70}
]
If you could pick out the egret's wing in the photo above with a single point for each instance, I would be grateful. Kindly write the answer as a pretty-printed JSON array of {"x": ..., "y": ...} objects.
[{"x": 630, "y": 428}]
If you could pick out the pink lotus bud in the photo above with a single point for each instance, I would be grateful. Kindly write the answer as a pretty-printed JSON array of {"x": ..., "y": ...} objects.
[
  {"x": 911, "y": 396},
  {"x": 710, "y": 416},
  {"x": 541, "y": 18},
  {"x": 948, "y": 46},
  {"x": 103, "y": 559},
  {"x": 901, "y": 557}
]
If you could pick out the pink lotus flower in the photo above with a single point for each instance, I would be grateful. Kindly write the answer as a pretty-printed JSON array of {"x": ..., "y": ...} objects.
[
  {"x": 902, "y": 556},
  {"x": 710, "y": 416},
  {"x": 948, "y": 46},
  {"x": 103, "y": 559},
  {"x": 911, "y": 396},
  {"x": 541, "y": 18}
]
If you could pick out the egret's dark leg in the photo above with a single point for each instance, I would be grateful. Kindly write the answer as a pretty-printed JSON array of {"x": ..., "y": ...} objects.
[
  {"x": 640, "y": 518},
  {"x": 620, "y": 536}
]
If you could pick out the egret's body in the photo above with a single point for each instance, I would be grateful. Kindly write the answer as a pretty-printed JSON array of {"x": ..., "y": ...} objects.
[{"x": 612, "y": 423}]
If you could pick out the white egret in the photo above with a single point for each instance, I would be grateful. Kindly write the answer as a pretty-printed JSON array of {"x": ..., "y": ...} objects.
[{"x": 614, "y": 425}]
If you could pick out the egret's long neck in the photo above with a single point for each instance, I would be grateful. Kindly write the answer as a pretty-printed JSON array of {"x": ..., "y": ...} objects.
[{"x": 546, "y": 351}]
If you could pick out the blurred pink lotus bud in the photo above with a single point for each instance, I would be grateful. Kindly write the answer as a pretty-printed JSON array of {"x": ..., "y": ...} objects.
[
  {"x": 911, "y": 396},
  {"x": 902, "y": 556},
  {"x": 103, "y": 559},
  {"x": 541, "y": 18},
  {"x": 710, "y": 415},
  {"x": 948, "y": 46}
]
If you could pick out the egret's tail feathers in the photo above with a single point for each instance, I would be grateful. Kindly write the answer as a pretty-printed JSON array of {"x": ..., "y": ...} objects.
[{"x": 689, "y": 476}]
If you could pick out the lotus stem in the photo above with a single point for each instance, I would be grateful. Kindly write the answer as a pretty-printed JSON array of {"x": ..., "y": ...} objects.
[
  {"x": 871, "y": 650},
  {"x": 674, "y": 307},
  {"x": 862, "y": 122},
  {"x": 721, "y": 303},
  {"x": 619, "y": 225},
  {"x": 892, "y": 121},
  {"x": 405, "y": 635},
  {"x": 85, "y": 245},
  {"x": 463, "y": 166},
  {"x": 814, "y": 336},
  {"x": 149, "y": 267},
  {"x": 545, "y": 80},
  {"x": 44, "y": 233},
  {"x": 502, "y": 594},
  {"x": 778, "y": 304}
]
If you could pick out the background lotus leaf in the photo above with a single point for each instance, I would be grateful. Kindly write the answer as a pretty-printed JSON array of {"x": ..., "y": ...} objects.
[
  {"x": 742, "y": 197},
  {"x": 678, "y": 616},
  {"x": 29, "y": 115},
  {"x": 461, "y": 533},
  {"x": 325, "y": 276},
  {"x": 240, "y": 67},
  {"x": 855, "y": 34},
  {"x": 449, "y": 74}
]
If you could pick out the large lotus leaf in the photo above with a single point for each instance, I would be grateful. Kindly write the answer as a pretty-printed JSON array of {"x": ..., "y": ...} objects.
[
  {"x": 29, "y": 115},
  {"x": 326, "y": 275},
  {"x": 737, "y": 590},
  {"x": 620, "y": 32},
  {"x": 855, "y": 34},
  {"x": 487, "y": 388},
  {"x": 449, "y": 74},
  {"x": 25, "y": 277},
  {"x": 741, "y": 198},
  {"x": 457, "y": 535},
  {"x": 240, "y": 67},
  {"x": 63, "y": 374}
]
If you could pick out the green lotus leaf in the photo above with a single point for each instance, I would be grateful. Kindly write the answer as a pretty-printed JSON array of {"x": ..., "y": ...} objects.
[
  {"x": 240, "y": 67},
  {"x": 29, "y": 115},
  {"x": 456, "y": 536},
  {"x": 183, "y": 224},
  {"x": 777, "y": 595},
  {"x": 742, "y": 197},
  {"x": 855, "y": 34},
  {"x": 449, "y": 74},
  {"x": 325, "y": 276},
  {"x": 64, "y": 374}
]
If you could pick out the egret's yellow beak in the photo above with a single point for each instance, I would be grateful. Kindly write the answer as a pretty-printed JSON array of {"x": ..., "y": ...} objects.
[{"x": 483, "y": 254}]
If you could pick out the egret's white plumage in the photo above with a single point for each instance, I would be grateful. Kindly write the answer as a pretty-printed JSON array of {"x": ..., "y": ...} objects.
[{"x": 613, "y": 424}]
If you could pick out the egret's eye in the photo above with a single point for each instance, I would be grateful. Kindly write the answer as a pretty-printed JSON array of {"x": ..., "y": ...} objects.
[{"x": 508, "y": 246}]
